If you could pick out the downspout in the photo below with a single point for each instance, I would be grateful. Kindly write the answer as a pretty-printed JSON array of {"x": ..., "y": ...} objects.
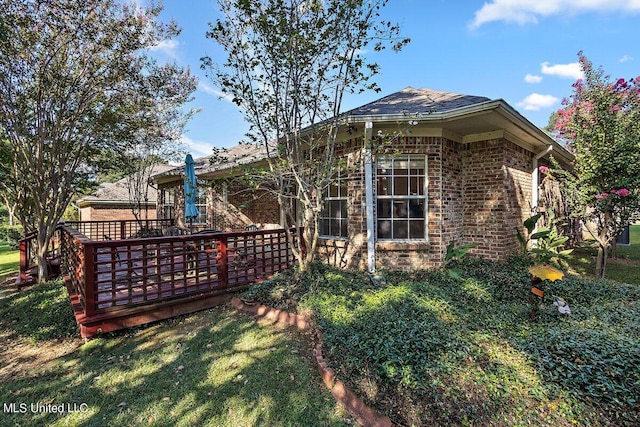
[{"x": 368, "y": 185}]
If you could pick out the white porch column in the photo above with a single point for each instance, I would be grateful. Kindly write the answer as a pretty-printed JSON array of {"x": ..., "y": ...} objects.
[{"x": 368, "y": 177}]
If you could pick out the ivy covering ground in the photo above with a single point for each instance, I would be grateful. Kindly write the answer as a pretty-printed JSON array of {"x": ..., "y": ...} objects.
[{"x": 429, "y": 350}]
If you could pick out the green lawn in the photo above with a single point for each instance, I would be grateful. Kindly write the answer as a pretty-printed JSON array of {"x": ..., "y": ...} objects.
[
  {"x": 9, "y": 261},
  {"x": 429, "y": 350},
  {"x": 214, "y": 368},
  {"x": 625, "y": 269}
]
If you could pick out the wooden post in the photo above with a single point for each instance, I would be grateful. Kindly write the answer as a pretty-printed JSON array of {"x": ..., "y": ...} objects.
[
  {"x": 123, "y": 230},
  {"x": 25, "y": 256},
  {"x": 223, "y": 262},
  {"x": 88, "y": 281}
]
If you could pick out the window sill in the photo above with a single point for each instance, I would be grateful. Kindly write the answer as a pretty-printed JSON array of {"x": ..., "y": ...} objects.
[
  {"x": 402, "y": 246},
  {"x": 333, "y": 239}
]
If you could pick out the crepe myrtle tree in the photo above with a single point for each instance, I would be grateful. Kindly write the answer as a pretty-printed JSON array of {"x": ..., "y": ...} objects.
[
  {"x": 77, "y": 81},
  {"x": 288, "y": 65},
  {"x": 600, "y": 123}
]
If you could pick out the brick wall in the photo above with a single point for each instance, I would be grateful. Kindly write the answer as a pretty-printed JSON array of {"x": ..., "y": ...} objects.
[
  {"x": 497, "y": 195},
  {"x": 112, "y": 212},
  {"x": 478, "y": 192},
  {"x": 351, "y": 253}
]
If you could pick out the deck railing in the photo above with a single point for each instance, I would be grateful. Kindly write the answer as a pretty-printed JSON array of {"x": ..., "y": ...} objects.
[
  {"x": 121, "y": 229},
  {"x": 113, "y": 275}
]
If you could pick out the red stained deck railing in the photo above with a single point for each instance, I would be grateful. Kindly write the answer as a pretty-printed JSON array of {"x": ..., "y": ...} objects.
[{"x": 119, "y": 283}]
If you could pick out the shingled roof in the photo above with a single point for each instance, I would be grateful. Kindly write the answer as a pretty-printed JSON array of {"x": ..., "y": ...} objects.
[
  {"x": 119, "y": 191},
  {"x": 410, "y": 100},
  {"x": 225, "y": 159}
]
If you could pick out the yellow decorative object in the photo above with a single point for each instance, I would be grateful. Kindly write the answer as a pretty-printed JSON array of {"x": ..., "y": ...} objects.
[{"x": 546, "y": 272}]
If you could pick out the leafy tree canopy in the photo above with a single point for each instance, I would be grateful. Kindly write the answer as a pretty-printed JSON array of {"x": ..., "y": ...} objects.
[
  {"x": 600, "y": 123},
  {"x": 76, "y": 80}
]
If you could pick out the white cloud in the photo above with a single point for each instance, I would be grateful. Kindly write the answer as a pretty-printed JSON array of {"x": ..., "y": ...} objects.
[
  {"x": 196, "y": 148},
  {"x": 529, "y": 11},
  {"x": 569, "y": 71},
  {"x": 625, "y": 58},
  {"x": 168, "y": 47},
  {"x": 207, "y": 88},
  {"x": 536, "y": 101},
  {"x": 530, "y": 78}
]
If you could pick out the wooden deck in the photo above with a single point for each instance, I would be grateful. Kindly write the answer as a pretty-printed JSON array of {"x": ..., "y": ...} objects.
[{"x": 115, "y": 284}]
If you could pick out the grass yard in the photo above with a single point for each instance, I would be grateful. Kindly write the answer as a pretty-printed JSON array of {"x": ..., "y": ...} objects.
[
  {"x": 428, "y": 350},
  {"x": 213, "y": 368},
  {"x": 9, "y": 261},
  {"x": 625, "y": 269}
]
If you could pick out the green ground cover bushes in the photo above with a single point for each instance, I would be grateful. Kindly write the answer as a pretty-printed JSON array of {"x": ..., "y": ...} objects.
[{"x": 427, "y": 349}]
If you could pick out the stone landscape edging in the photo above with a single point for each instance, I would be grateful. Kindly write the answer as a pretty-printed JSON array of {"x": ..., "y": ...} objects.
[{"x": 365, "y": 415}]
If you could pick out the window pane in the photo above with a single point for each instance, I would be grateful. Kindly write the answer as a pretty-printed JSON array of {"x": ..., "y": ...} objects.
[
  {"x": 324, "y": 227},
  {"x": 334, "y": 206},
  {"x": 416, "y": 163},
  {"x": 343, "y": 209},
  {"x": 334, "y": 227},
  {"x": 343, "y": 187},
  {"x": 343, "y": 228},
  {"x": 384, "y": 186},
  {"x": 400, "y": 209},
  {"x": 417, "y": 185},
  {"x": 400, "y": 230},
  {"x": 384, "y": 208},
  {"x": 384, "y": 166},
  {"x": 416, "y": 229},
  {"x": 400, "y": 186},
  {"x": 401, "y": 167},
  {"x": 384, "y": 229},
  {"x": 416, "y": 209},
  {"x": 334, "y": 189}
]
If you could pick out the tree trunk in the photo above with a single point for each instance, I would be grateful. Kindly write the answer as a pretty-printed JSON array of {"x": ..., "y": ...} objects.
[
  {"x": 11, "y": 209},
  {"x": 613, "y": 251},
  {"x": 601, "y": 262},
  {"x": 41, "y": 259},
  {"x": 603, "y": 245}
]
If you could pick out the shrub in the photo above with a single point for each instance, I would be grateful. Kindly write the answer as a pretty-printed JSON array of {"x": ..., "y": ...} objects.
[{"x": 11, "y": 234}]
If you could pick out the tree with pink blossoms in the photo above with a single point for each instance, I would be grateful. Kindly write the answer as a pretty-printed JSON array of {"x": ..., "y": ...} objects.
[{"x": 600, "y": 123}]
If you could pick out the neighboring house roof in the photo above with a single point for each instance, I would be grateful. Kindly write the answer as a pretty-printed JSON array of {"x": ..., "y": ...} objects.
[
  {"x": 224, "y": 159},
  {"x": 118, "y": 192}
]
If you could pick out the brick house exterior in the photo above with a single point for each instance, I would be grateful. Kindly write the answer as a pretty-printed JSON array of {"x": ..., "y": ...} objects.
[
  {"x": 111, "y": 201},
  {"x": 454, "y": 167},
  {"x": 223, "y": 206}
]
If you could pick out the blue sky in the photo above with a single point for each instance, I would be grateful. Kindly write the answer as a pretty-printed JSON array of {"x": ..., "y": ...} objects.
[{"x": 523, "y": 51}]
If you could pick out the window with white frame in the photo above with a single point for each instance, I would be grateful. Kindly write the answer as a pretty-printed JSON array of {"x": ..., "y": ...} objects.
[
  {"x": 201, "y": 204},
  {"x": 168, "y": 203},
  {"x": 401, "y": 197},
  {"x": 333, "y": 218}
]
